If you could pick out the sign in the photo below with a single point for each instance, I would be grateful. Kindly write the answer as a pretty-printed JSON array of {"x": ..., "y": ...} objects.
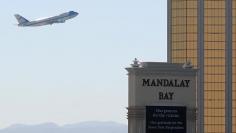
[
  {"x": 162, "y": 98},
  {"x": 165, "y": 119},
  {"x": 166, "y": 82}
]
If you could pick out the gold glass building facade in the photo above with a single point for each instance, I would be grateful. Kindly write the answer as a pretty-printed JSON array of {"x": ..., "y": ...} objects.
[
  {"x": 204, "y": 32},
  {"x": 234, "y": 65}
]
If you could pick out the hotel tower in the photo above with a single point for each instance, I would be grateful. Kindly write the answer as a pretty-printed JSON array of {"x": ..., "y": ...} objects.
[{"x": 204, "y": 32}]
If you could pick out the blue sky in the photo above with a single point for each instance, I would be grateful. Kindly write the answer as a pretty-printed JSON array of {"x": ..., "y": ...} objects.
[{"x": 73, "y": 72}]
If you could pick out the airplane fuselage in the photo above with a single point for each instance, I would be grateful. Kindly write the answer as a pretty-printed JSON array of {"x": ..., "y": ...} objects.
[{"x": 50, "y": 20}]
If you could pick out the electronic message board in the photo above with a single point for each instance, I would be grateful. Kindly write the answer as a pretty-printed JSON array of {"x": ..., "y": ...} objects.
[{"x": 165, "y": 119}]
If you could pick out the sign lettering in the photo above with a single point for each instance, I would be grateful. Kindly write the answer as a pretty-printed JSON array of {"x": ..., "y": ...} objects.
[{"x": 165, "y": 82}]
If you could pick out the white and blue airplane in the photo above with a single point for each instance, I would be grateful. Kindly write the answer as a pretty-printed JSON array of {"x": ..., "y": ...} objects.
[{"x": 22, "y": 22}]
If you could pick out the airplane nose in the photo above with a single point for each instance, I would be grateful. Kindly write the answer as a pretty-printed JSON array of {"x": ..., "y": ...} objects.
[
  {"x": 73, "y": 13},
  {"x": 76, "y": 13}
]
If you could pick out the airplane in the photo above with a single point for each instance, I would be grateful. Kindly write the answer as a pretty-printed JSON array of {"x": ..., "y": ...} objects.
[{"x": 22, "y": 22}]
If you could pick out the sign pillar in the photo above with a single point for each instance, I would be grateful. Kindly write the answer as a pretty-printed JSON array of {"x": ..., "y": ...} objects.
[{"x": 162, "y": 98}]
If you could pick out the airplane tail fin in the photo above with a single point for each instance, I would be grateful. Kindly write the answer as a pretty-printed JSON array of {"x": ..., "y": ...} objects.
[{"x": 20, "y": 19}]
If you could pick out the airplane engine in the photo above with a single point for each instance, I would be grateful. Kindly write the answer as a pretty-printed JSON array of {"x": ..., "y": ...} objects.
[{"x": 60, "y": 21}]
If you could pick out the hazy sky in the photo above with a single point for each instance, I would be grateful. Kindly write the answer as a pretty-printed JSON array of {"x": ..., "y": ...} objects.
[{"x": 73, "y": 72}]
